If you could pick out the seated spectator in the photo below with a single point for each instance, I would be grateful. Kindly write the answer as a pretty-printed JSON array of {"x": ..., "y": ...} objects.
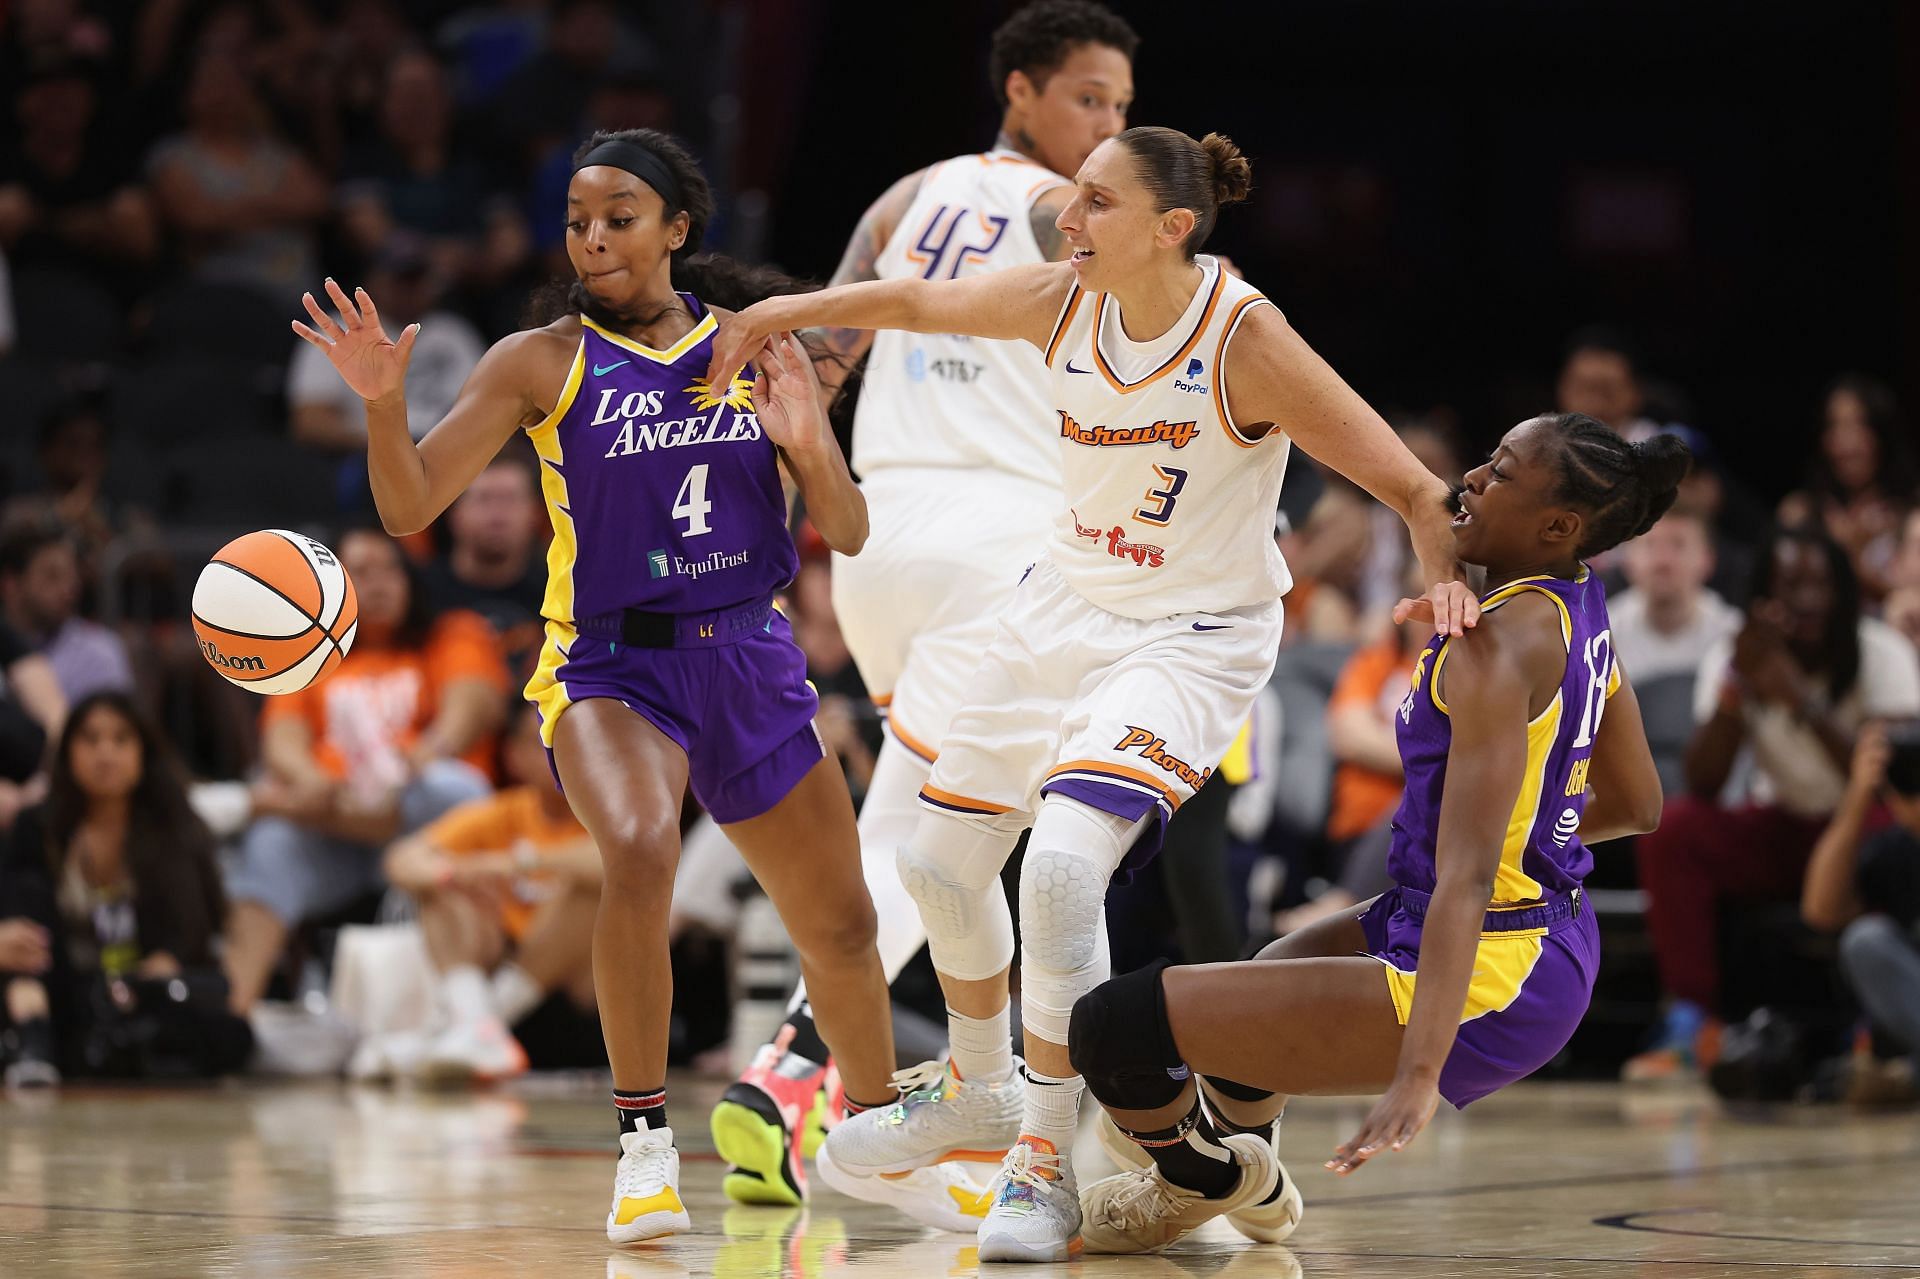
[
  {"x": 508, "y": 887},
  {"x": 1327, "y": 555},
  {"x": 109, "y": 893},
  {"x": 1368, "y": 778},
  {"x": 32, "y": 710},
  {"x": 1861, "y": 481},
  {"x": 1779, "y": 706},
  {"x": 72, "y": 453},
  {"x": 1736, "y": 519},
  {"x": 40, "y": 600},
  {"x": 242, "y": 201},
  {"x": 401, "y": 733},
  {"x": 413, "y": 179},
  {"x": 495, "y": 563},
  {"x": 1906, "y": 559},
  {"x": 1866, "y": 887},
  {"x": 1601, "y": 377},
  {"x": 325, "y": 412}
]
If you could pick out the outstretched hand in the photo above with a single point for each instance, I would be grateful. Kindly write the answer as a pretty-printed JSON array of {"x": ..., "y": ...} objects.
[
  {"x": 1451, "y": 607},
  {"x": 786, "y": 395},
  {"x": 1395, "y": 1120},
  {"x": 738, "y": 339},
  {"x": 366, "y": 359}
]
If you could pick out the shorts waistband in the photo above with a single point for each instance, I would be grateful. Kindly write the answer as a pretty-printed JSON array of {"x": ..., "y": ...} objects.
[
  {"x": 637, "y": 628},
  {"x": 1505, "y": 919}
]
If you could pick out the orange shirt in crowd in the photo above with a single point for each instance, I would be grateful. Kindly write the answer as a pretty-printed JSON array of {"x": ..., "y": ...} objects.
[
  {"x": 512, "y": 819},
  {"x": 372, "y": 710},
  {"x": 1376, "y": 676}
]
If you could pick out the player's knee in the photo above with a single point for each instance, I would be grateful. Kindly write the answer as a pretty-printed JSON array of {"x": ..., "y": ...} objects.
[
  {"x": 843, "y": 933},
  {"x": 640, "y": 854},
  {"x": 1119, "y": 1039},
  {"x": 1062, "y": 892},
  {"x": 969, "y": 929}
]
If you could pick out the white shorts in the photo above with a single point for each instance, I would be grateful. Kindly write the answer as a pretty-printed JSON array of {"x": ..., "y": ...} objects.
[
  {"x": 919, "y": 605},
  {"x": 1125, "y": 715}
]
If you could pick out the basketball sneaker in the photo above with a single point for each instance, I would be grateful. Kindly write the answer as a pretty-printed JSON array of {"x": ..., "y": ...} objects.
[
  {"x": 829, "y": 1108},
  {"x": 646, "y": 1188},
  {"x": 760, "y": 1127},
  {"x": 1267, "y": 1220},
  {"x": 473, "y": 1051},
  {"x": 939, "y": 1116},
  {"x": 1141, "y": 1211},
  {"x": 944, "y": 1196},
  {"x": 1035, "y": 1210}
]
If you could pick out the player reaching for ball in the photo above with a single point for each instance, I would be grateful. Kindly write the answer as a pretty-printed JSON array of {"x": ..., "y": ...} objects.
[
  {"x": 665, "y": 664},
  {"x": 1521, "y": 741},
  {"x": 1131, "y": 653}
]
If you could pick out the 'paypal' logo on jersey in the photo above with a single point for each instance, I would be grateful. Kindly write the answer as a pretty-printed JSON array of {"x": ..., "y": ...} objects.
[{"x": 1195, "y": 368}]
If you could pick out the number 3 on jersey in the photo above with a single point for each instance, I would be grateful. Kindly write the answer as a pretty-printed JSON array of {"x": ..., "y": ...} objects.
[
  {"x": 691, "y": 502},
  {"x": 1160, "y": 500}
]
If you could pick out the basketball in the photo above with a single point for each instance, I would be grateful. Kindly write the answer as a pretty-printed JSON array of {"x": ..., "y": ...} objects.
[{"x": 275, "y": 611}]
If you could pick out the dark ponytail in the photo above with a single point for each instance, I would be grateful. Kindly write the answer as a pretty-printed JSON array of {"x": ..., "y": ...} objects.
[
  {"x": 1180, "y": 173},
  {"x": 714, "y": 278},
  {"x": 1623, "y": 488}
]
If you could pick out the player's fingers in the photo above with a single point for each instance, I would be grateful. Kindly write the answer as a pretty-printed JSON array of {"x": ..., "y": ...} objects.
[
  {"x": 368, "y": 311},
  {"x": 1470, "y": 616},
  {"x": 349, "y": 313},
  {"x": 321, "y": 320},
  {"x": 404, "y": 347},
  {"x": 303, "y": 331}
]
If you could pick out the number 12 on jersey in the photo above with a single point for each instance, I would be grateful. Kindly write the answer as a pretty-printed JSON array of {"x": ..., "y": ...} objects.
[{"x": 691, "y": 503}]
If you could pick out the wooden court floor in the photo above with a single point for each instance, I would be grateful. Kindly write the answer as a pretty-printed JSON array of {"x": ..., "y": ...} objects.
[{"x": 1545, "y": 1180}]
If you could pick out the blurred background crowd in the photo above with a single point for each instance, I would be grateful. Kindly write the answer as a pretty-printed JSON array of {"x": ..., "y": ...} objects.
[{"x": 173, "y": 174}]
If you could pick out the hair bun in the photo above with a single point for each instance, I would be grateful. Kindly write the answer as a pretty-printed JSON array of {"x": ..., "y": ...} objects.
[
  {"x": 1232, "y": 171},
  {"x": 1664, "y": 461}
]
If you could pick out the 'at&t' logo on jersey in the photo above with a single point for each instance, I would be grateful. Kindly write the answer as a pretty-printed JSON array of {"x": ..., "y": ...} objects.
[
  {"x": 1195, "y": 367},
  {"x": 637, "y": 436},
  {"x": 1178, "y": 434},
  {"x": 1145, "y": 554}
]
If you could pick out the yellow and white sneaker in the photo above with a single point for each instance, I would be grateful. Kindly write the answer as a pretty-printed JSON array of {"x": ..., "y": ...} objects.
[
  {"x": 1141, "y": 1211},
  {"x": 646, "y": 1188},
  {"x": 945, "y": 1196},
  {"x": 1268, "y": 1222}
]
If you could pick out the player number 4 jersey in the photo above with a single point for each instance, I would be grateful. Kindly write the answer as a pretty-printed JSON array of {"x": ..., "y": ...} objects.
[{"x": 1170, "y": 507}]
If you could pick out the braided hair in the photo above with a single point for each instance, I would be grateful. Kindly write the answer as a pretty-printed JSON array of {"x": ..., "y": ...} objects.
[{"x": 1624, "y": 488}]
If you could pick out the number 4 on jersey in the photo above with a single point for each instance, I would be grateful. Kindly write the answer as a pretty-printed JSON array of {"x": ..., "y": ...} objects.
[{"x": 691, "y": 502}]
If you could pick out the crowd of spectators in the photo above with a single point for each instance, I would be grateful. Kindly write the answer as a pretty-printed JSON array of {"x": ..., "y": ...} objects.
[{"x": 177, "y": 852}]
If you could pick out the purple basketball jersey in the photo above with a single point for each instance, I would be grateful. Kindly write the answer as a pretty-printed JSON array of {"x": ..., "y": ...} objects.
[
  {"x": 1542, "y": 853},
  {"x": 664, "y": 493}
]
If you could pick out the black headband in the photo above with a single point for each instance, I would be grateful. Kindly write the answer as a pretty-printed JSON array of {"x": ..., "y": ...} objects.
[{"x": 641, "y": 163}]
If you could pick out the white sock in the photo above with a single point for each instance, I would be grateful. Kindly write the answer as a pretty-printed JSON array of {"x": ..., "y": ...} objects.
[
  {"x": 982, "y": 1047},
  {"x": 515, "y": 993},
  {"x": 1053, "y": 1108},
  {"x": 468, "y": 996}
]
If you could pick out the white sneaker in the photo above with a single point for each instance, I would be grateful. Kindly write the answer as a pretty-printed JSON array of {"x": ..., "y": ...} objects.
[
  {"x": 646, "y": 1188},
  {"x": 1141, "y": 1211},
  {"x": 474, "y": 1051},
  {"x": 1268, "y": 1222},
  {"x": 939, "y": 1116},
  {"x": 1035, "y": 1214},
  {"x": 944, "y": 1196},
  {"x": 392, "y": 1054}
]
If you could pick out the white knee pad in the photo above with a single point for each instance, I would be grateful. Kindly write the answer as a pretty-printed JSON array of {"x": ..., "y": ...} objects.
[
  {"x": 951, "y": 869},
  {"x": 1071, "y": 855}
]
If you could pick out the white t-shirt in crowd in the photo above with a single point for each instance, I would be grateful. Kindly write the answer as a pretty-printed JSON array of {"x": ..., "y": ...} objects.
[
  {"x": 1789, "y": 766},
  {"x": 443, "y": 355},
  {"x": 1648, "y": 654}
]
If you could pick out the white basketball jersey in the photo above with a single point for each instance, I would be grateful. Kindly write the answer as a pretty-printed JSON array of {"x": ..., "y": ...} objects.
[
  {"x": 1169, "y": 507},
  {"x": 941, "y": 400}
]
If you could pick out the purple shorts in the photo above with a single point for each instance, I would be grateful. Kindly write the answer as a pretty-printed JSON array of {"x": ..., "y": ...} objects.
[
  {"x": 740, "y": 708},
  {"x": 1532, "y": 980}
]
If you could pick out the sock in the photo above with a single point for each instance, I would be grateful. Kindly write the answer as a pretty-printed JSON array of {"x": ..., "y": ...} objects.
[
  {"x": 853, "y": 1107},
  {"x": 1190, "y": 1155},
  {"x": 644, "y": 1109},
  {"x": 805, "y": 1041},
  {"x": 1053, "y": 1108},
  {"x": 515, "y": 993},
  {"x": 469, "y": 997},
  {"x": 1683, "y": 1022},
  {"x": 982, "y": 1047}
]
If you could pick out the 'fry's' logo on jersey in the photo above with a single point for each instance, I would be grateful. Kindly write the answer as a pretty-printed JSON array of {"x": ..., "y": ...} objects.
[
  {"x": 1153, "y": 749},
  {"x": 1178, "y": 434},
  {"x": 731, "y": 421},
  {"x": 1145, "y": 554}
]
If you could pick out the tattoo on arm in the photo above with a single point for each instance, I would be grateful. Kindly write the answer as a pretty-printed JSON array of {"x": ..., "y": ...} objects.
[{"x": 860, "y": 262}]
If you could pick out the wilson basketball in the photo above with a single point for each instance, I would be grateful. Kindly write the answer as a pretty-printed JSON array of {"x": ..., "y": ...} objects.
[{"x": 275, "y": 611}]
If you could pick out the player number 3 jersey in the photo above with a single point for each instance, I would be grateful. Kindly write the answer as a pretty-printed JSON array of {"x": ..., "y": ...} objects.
[{"x": 1170, "y": 507}]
